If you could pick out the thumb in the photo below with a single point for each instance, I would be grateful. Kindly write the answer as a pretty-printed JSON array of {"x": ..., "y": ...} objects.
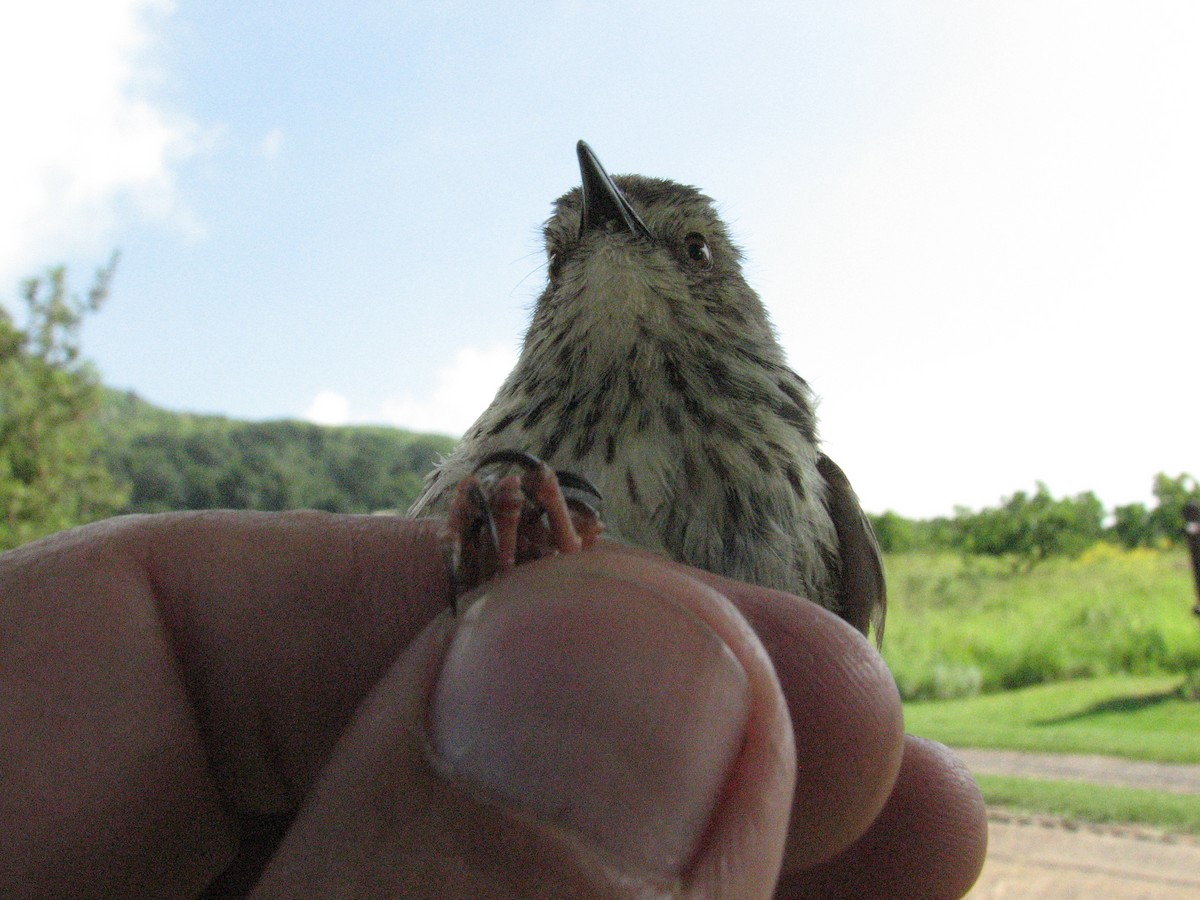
[{"x": 596, "y": 724}]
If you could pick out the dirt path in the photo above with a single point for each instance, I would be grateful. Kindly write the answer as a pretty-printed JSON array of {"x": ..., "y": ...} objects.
[
  {"x": 1037, "y": 857},
  {"x": 1171, "y": 777},
  {"x": 1047, "y": 857}
]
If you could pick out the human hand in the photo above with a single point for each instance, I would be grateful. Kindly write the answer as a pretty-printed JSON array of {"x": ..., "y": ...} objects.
[{"x": 185, "y": 699}]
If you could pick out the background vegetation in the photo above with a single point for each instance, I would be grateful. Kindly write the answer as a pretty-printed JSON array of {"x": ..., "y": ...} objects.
[
  {"x": 1028, "y": 528},
  {"x": 1089, "y": 802},
  {"x": 1145, "y": 717},
  {"x": 169, "y": 461},
  {"x": 51, "y": 476},
  {"x": 963, "y": 625}
]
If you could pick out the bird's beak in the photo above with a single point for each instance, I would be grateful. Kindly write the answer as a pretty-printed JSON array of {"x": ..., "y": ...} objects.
[{"x": 603, "y": 201}]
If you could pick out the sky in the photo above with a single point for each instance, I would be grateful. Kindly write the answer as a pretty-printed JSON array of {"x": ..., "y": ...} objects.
[{"x": 976, "y": 225}]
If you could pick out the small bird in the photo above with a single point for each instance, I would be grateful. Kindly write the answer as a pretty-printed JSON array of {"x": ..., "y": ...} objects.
[{"x": 650, "y": 368}]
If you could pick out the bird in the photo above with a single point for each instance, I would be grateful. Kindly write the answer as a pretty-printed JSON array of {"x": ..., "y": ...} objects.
[{"x": 651, "y": 371}]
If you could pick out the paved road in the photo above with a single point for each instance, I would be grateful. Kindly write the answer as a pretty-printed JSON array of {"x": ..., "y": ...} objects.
[{"x": 1044, "y": 857}]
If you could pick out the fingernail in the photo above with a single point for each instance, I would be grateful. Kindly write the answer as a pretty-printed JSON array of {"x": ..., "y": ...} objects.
[{"x": 596, "y": 703}]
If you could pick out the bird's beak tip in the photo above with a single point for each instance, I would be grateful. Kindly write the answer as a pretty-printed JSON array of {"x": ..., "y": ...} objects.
[{"x": 602, "y": 199}]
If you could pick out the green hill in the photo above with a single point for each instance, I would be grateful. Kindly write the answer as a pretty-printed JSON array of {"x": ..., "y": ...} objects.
[{"x": 170, "y": 461}]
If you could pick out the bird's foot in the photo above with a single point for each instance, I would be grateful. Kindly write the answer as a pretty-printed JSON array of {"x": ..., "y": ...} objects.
[{"x": 496, "y": 524}]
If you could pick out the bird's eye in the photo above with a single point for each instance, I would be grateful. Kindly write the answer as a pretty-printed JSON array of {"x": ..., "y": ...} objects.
[{"x": 698, "y": 251}]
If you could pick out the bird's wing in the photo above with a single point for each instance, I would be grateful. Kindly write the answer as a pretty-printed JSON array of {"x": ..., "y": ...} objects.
[{"x": 863, "y": 593}]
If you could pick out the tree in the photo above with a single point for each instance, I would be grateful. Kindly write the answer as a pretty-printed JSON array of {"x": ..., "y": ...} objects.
[
  {"x": 1131, "y": 526},
  {"x": 1166, "y": 519},
  {"x": 51, "y": 477},
  {"x": 1029, "y": 529},
  {"x": 895, "y": 533},
  {"x": 1134, "y": 525}
]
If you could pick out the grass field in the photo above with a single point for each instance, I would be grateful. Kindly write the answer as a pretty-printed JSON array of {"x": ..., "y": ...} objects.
[
  {"x": 1133, "y": 717},
  {"x": 1094, "y": 803},
  {"x": 1078, "y": 656},
  {"x": 963, "y": 626}
]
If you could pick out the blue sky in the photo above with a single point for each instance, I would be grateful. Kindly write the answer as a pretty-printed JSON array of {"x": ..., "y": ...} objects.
[{"x": 975, "y": 225}]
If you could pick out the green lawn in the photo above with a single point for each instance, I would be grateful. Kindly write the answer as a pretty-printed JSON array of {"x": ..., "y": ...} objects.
[
  {"x": 1134, "y": 717},
  {"x": 1094, "y": 803}
]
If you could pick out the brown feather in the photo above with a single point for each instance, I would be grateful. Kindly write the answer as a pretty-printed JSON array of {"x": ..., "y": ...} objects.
[{"x": 863, "y": 591}]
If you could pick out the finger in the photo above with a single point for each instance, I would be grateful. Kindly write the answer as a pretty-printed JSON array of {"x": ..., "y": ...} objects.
[
  {"x": 281, "y": 624},
  {"x": 183, "y": 677},
  {"x": 595, "y": 725},
  {"x": 929, "y": 841},
  {"x": 845, "y": 712}
]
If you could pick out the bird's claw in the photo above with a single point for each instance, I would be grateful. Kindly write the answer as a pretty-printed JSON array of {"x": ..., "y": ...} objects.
[{"x": 495, "y": 524}]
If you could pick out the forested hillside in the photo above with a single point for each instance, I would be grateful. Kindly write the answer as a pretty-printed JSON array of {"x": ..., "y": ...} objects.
[{"x": 170, "y": 460}]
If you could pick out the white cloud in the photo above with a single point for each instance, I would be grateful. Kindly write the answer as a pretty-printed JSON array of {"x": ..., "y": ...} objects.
[
  {"x": 271, "y": 144},
  {"x": 462, "y": 391},
  {"x": 82, "y": 139},
  {"x": 328, "y": 408}
]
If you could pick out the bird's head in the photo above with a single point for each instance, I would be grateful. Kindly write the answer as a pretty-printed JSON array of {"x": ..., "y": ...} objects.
[{"x": 631, "y": 257}]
